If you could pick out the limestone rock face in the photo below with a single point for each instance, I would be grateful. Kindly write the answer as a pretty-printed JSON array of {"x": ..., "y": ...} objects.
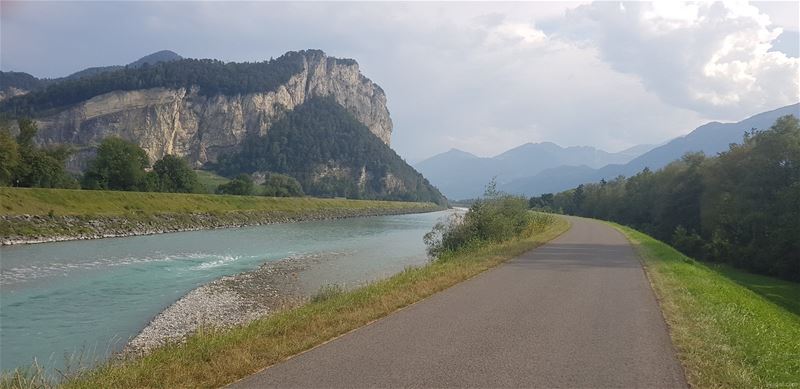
[
  {"x": 11, "y": 92},
  {"x": 186, "y": 123}
]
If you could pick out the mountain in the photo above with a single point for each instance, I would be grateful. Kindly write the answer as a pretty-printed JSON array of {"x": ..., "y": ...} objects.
[
  {"x": 157, "y": 57},
  {"x": 458, "y": 174},
  {"x": 19, "y": 83},
  {"x": 204, "y": 110},
  {"x": 710, "y": 138},
  {"x": 330, "y": 153},
  {"x": 637, "y": 150},
  {"x": 461, "y": 175},
  {"x": 152, "y": 59}
]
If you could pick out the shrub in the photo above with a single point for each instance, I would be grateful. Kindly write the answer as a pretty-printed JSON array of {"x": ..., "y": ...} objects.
[
  {"x": 241, "y": 185},
  {"x": 174, "y": 175},
  {"x": 495, "y": 218},
  {"x": 279, "y": 185},
  {"x": 327, "y": 292}
]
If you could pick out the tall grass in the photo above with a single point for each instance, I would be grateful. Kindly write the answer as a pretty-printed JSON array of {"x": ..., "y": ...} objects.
[{"x": 731, "y": 329}]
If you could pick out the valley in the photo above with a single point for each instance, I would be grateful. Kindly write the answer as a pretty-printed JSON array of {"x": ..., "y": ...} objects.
[{"x": 263, "y": 200}]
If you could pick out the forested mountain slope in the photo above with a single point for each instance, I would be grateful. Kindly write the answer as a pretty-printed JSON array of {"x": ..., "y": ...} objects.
[{"x": 329, "y": 152}]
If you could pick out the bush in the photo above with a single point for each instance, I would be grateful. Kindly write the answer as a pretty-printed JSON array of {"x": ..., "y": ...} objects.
[
  {"x": 279, "y": 185},
  {"x": 327, "y": 292},
  {"x": 495, "y": 218},
  {"x": 173, "y": 175},
  {"x": 241, "y": 185}
]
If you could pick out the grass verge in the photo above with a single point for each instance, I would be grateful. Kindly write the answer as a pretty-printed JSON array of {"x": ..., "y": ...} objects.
[
  {"x": 214, "y": 358},
  {"x": 210, "y": 180},
  {"x": 73, "y": 202},
  {"x": 36, "y": 215},
  {"x": 731, "y": 329}
]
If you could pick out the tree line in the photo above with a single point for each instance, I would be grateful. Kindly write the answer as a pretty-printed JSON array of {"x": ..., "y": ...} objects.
[
  {"x": 741, "y": 207},
  {"x": 118, "y": 165}
]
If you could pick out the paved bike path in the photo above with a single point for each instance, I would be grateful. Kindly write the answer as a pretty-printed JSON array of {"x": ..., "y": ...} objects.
[{"x": 576, "y": 312}]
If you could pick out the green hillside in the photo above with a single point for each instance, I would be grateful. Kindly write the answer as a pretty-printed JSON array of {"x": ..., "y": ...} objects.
[{"x": 330, "y": 153}]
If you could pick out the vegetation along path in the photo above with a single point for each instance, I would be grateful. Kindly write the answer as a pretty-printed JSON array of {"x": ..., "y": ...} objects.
[{"x": 576, "y": 312}]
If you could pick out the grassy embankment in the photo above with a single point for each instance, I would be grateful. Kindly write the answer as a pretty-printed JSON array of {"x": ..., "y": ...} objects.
[
  {"x": 65, "y": 212},
  {"x": 39, "y": 201},
  {"x": 732, "y": 329},
  {"x": 211, "y": 180},
  {"x": 214, "y": 358}
]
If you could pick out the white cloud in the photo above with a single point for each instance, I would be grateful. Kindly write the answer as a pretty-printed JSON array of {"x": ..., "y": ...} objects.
[
  {"x": 478, "y": 76},
  {"x": 713, "y": 58},
  {"x": 515, "y": 33}
]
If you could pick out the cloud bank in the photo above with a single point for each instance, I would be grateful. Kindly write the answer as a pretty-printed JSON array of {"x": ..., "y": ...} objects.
[{"x": 482, "y": 77}]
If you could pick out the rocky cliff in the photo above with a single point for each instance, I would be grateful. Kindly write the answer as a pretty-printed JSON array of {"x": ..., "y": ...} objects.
[{"x": 186, "y": 122}]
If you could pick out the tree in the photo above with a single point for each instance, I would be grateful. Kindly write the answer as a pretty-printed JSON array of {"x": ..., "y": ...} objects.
[
  {"x": 32, "y": 166},
  {"x": 279, "y": 185},
  {"x": 241, "y": 185},
  {"x": 543, "y": 202},
  {"x": 579, "y": 197},
  {"x": 39, "y": 168},
  {"x": 27, "y": 132},
  {"x": 741, "y": 207},
  {"x": 174, "y": 175},
  {"x": 119, "y": 165},
  {"x": 9, "y": 157}
]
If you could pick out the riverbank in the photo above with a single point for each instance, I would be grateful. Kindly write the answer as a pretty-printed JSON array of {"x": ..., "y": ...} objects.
[
  {"x": 229, "y": 301},
  {"x": 36, "y": 215},
  {"x": 213, "y": 358}
]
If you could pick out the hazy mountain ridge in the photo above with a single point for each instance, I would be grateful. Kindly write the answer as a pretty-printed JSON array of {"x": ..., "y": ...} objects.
[
  {"x": 19, "y": 83},
  {"x": 710, "y": 138},
  {"x": 461, "y": 175},
  {"x": 151, "y": 59}
]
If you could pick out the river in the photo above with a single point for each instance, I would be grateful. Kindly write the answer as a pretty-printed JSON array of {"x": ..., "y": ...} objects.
[{"x": 85, "y": 299}]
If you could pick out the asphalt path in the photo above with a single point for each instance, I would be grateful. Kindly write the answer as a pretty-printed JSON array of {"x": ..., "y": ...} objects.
[{"x": 577, "y": 312}]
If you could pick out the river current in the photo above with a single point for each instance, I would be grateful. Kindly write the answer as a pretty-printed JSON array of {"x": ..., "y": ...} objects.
[{"x": 60, "y": 302}]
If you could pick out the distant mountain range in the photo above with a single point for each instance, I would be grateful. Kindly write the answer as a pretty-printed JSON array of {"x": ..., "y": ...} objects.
[
  {"x": 536, "y": 168},
  {"x": 460, "y": 175},
  {"x": 710, "y": 138}
]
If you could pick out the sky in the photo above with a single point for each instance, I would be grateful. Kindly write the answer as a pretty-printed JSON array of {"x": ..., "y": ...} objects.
[{"x": 480, "y": 77}]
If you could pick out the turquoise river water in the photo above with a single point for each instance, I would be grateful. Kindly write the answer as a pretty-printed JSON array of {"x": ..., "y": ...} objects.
[{"x": 88, "y": 298}]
